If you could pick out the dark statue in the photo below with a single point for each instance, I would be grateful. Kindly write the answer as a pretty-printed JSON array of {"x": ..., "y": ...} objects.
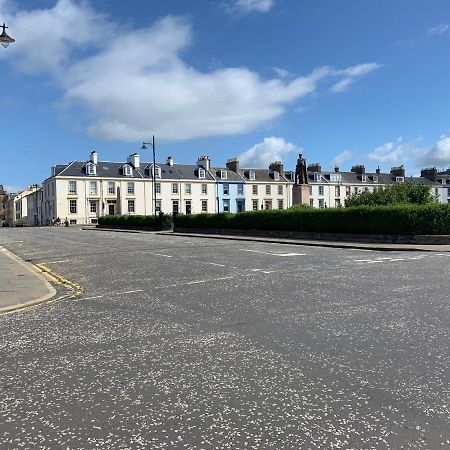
[{"x": 301, "y": 177}]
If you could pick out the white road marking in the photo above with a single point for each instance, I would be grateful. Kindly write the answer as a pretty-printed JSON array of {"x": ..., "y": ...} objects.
[
  {"x": 272, "y": 253},
  {"x": 160, "y": 254},
  {"x": 91, "y": 298},
  {"x": 57, "y": 261},
  {"x": 128, "y": 292},
  {"x": 217, "y": 264}
]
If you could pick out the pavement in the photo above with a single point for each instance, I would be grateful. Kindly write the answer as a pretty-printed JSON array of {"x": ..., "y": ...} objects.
[{"x": 20, "y": 284}]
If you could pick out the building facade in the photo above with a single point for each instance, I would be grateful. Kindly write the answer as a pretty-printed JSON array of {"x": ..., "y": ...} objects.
[{"x": 82, "y": 191}]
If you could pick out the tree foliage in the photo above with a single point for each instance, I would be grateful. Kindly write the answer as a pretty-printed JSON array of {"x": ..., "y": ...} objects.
[{"x": 396, "y": 194}]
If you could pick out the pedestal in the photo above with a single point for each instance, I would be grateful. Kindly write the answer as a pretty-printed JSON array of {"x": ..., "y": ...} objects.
[{"x": 300, "y": 194}]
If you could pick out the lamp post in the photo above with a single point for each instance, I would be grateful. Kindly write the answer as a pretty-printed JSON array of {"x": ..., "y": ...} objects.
[
  {"x": 5, "y": 40},
  {"x": 144, "y": 147}
]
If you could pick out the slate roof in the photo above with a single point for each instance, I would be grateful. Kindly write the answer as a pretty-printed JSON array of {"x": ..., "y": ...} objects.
[
  {"x": 231, "y": 175},
  {"x": 108, "y": 169},
  {"x": 261, "y": 175}
]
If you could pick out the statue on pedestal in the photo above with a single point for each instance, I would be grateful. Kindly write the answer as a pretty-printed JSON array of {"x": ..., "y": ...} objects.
[{"x": 301, "y": 177}]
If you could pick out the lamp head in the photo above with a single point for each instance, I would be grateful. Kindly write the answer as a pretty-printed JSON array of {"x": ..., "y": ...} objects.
[
  {"x": 144, "y": 147},
  {"x": 5, "y": 40}
]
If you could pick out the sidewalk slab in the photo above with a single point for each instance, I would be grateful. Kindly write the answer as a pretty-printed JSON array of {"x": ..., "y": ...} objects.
[{"x": 20, "y": 284}]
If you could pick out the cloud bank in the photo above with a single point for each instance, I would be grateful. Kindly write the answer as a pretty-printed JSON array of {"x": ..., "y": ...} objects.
[
  {"x": 137, "y": 83},
  {"x": 269, "y": 150}
]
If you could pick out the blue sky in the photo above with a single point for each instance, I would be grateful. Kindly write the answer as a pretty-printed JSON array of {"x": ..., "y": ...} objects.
[{"x": 344, "y": 82}]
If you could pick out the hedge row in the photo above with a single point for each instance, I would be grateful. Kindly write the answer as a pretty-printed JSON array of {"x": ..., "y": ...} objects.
[
  {"x": 390, "y": 220},
  {"x": 136, "y": 221}
]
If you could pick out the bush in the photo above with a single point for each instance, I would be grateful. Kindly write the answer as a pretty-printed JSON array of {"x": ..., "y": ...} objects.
[
  {"x": 127, "y": 221},
  {"x": 398, "y": 219},
  {"x": 402, "y": 193}
]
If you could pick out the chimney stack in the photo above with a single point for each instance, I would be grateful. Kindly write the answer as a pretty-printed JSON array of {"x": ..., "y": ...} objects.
[
  {"x": 359, "y": 169},
  {"x": 169, "y": 161},
  {"x": 314, "y": 167},
  {"x": 336, "y": 169},
  {"x": 430, "y": 173},
  {"x": 276, "y": 166},
  {"x": 233, "y": 164},
  {"x": 378, "y": 171},
  {"x": 134, "y": 160},
  {"x": 94, "y": 157},
  {"x": 205, "y": 162},
  {"x": 398, "y": 171}
]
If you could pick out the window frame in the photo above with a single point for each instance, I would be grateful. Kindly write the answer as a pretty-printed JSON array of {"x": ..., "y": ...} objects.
[
  {"x": 73, "y": 204},
  {"x": 70, "y": 191}
]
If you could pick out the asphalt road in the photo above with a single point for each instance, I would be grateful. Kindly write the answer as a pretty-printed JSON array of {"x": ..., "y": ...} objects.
[{"x": 199, "y": 343}]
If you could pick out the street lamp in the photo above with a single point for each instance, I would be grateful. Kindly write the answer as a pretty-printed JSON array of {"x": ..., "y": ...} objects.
[
  {"x": 5, "y": 40},
  {"x": 144, "y": 147}
]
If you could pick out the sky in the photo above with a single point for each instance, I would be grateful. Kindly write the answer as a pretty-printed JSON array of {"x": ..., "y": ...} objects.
[{"x": 343, "y": 82}]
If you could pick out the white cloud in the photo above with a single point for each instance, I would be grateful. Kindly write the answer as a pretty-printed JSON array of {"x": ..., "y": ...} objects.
[
  {"x": 134, "y": 82},
  {"x": 248, "y": 6},
  {"x": 396, "y": 152},
  {"x": 438, "y": 154},
  {"x": 342, "y": 85},
  {"x": 439, "y": 29},
  {"x": 282, "y": 73},
  {"x": 414, "y": 156},
  {"x": 269, "y": 150},
  {"x": 350, "y": 75},
  {"x": 46, "y": 38},
  {"x": 342, "y": 157}
]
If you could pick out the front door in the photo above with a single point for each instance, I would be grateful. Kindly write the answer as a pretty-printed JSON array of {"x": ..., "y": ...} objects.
[
  {"x": 240, "y": 206},
  {"x": 111, "y": 209}
]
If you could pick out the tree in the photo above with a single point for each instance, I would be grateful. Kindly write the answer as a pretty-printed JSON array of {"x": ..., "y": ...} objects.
[{"x": 401, "y": 193}]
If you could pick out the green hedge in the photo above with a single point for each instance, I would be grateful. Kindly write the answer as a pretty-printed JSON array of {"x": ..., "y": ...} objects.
[
  {"x": 391, "y": 220},
  {"x": 136, "y": 221}
]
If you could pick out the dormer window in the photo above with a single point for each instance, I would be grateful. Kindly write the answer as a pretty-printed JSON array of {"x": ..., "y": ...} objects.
[
  {"x": 443, "y": 181},
  {"x": 223, "y": 174},
  {"x": 276, "y": 176},
  {"x": 201, "y": 173},
  {"x": 399, "y": 179},
  {"x": 316, "y": 176},
  {"x": 251, "y": 175},
  {"x": 363, "y": 178},
  {"x": 336, "y": 177},
  {"x": 375, "y": 178},
  {"x": 90, "y": 169},
  {"x": 127, "y": 171},
  {"x": 156, "y": 171}
]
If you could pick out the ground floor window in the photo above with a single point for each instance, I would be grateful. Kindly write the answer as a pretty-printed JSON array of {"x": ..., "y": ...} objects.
[
  {"x": 130, "y": 206},
  {"x": 226, "y": 206},
  {"x": 267, "y": 204},
  {"x": 73, "y": 222},
  {"x": 94, "y": 220},
  {"x": 204, "y": 205},
  {"x": 72, "y": 206},
  {"x": 280, "y": 204},
  {"x": 188, "y": 207},
  {"x": 255, "y": 205},
  {"x": 158, "y": 206},
  {"x": 175, "y": 207},
  {"x": 321, "y": 203},
  {"x": 93, "y": 206}
]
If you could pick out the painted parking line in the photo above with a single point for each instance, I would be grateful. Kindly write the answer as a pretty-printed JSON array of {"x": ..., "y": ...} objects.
[{"x": 160, "y": 254}]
